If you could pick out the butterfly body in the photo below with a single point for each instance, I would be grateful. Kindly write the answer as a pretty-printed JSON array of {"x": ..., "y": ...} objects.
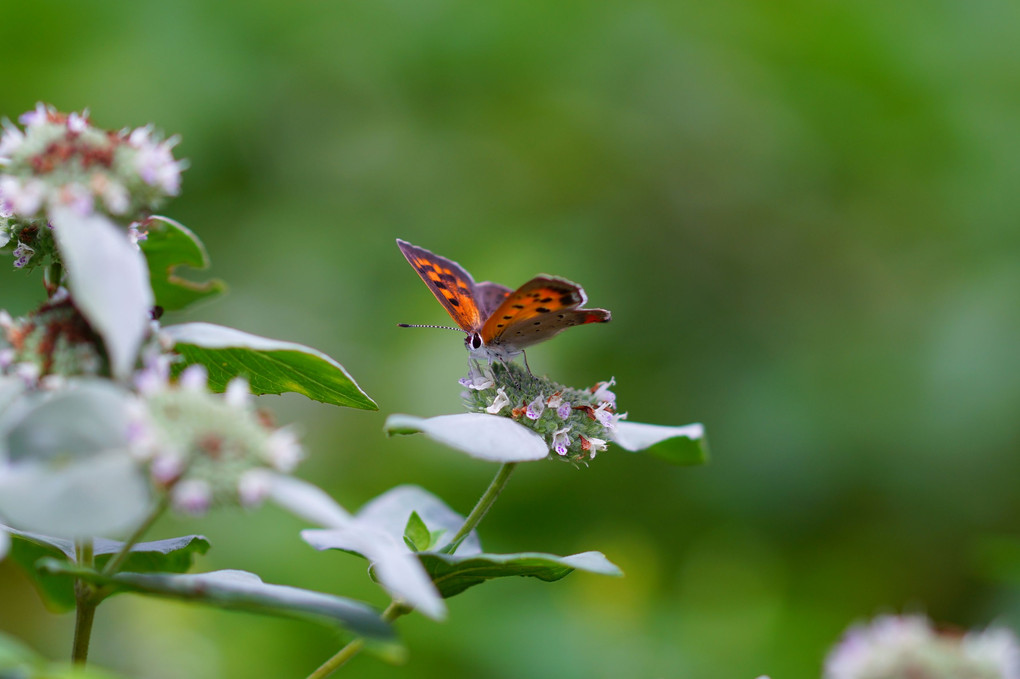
[{"x": 501, "y": 322}]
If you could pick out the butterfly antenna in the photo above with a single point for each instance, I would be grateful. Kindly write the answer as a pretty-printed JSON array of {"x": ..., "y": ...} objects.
[{"x": 444, "y": 327}]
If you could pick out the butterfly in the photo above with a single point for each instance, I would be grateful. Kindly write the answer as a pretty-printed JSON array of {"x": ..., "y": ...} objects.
[{"x": 500, "y": 322}]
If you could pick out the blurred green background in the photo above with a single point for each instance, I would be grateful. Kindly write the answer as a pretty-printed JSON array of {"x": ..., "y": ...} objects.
[{"x": 803, "y": 216}]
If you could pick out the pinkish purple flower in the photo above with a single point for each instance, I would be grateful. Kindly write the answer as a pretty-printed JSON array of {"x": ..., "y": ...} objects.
[
  {"x": 22, "y": 254},
  {"x": 191, "y": 496},
  {"x": 561, "y": 442},
  {"x": 77, "y": 122},
  {"x": 37, "y": 116},
  {"x": 602, "y": 392}
]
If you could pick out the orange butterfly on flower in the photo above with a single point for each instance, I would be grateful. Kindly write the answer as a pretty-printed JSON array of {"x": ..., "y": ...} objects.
[{"x": 500, "y": 322}]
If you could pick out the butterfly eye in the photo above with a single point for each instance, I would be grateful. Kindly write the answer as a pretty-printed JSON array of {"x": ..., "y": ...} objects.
[{"x": 474, "y": 341}]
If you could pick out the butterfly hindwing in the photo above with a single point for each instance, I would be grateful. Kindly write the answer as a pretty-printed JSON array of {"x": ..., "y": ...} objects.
[
  {"x": 489, "y": 296},
  {"x": 543, "y": 326},
  {"x": 539, "y": 309},
  {"x": 449, "y": 282}
]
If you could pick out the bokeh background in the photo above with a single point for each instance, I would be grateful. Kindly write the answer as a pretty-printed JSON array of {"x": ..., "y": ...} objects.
[{"x": 803, "y": 216}]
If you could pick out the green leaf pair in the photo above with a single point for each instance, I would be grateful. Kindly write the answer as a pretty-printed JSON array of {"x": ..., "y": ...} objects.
[
  {"x": 426, "y": 524},
  {"x": 159, "y": 568},
  {"x": 174, "y": 555}
]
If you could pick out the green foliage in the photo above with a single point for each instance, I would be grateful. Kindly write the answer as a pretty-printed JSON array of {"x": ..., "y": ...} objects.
[
  {"x": 174, "y": 555},
  {"x": 169, "y": 246},
  {"x": 452, "y": 574},
  {"x": 270, "y": 366},
  {"x": 416, "y": 534}
]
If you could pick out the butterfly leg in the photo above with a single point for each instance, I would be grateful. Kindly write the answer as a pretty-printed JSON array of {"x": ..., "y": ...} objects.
[{"x": 525, "y": 355}]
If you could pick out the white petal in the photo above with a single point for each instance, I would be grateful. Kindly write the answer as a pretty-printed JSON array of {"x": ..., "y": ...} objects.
[
  {"x": 634, "y": 436},
  {"x": 307, "y": 501},
  {"x": 193, "y": 378},
  {"x": 486, "y": 437},
  {"x": 237, "y": 394}
]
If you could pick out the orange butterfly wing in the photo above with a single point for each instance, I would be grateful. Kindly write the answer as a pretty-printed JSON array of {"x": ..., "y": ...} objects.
[
  {"x": 449, "y": 282},
  {"x": 539, "y": 309}
]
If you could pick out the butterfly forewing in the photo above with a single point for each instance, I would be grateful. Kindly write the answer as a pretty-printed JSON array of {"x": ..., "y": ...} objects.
[
  {"x": 539, "y": 309},
  {"x": 449, "y": 282}
]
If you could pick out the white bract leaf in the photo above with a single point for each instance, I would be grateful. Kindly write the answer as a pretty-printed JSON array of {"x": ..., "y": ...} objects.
[
  {"x": 389, "y": 513},
  {"x": 486, "y": 437},
  {"x": 396, "y": 568},
  {"x": 65, "y": 468},
  {"x": 306, "y": 500},
  {"x": 10, "y": 389},
  {"x": 109, "y": 282},
  {"x": 635, "y": 436},
  {"x": 5, "y": 543}
]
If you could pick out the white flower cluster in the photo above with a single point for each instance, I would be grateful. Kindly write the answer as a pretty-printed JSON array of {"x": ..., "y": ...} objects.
[
  {"x": 907, "y": 647},
  {"x": 206, "y": 449},
  {"x": 577, "y": 424},
  {"x": 62, "y": 160}
]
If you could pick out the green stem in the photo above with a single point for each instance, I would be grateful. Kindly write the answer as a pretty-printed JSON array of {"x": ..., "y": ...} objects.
[
  {"x": 85, "y": 610},
  {"x": 392, "y": 612},
  {"x": 114, "y": 564},
  {"x": 396, "y": 609},
  {"x": 483, "y": 506},
  {"x": 52, "y": 276}
]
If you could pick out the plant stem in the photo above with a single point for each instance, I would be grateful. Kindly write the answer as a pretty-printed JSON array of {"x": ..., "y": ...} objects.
[
  {"x": 85, "y": 594},
  {"x": 483, "y": 506},
  {"x": 114, "y": 564},
  {"x": 85, "y": 610},
  {"x": 395, "y": 609},
  {"x": 392, "y": 612}
]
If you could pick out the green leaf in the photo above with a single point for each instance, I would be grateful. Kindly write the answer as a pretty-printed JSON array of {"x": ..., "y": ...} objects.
[
  {"x": 57, "y": 593},
  {"x": 416, "y": 533},
  {"x": 170, "y": 245},
  {"x": 242, "y": 591},
  {"x": 678, "y": 445},
  {"x": 453, "y": 574},
  {"x": 271, "y": 366},
  {"x": 174, "y": 555}
]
